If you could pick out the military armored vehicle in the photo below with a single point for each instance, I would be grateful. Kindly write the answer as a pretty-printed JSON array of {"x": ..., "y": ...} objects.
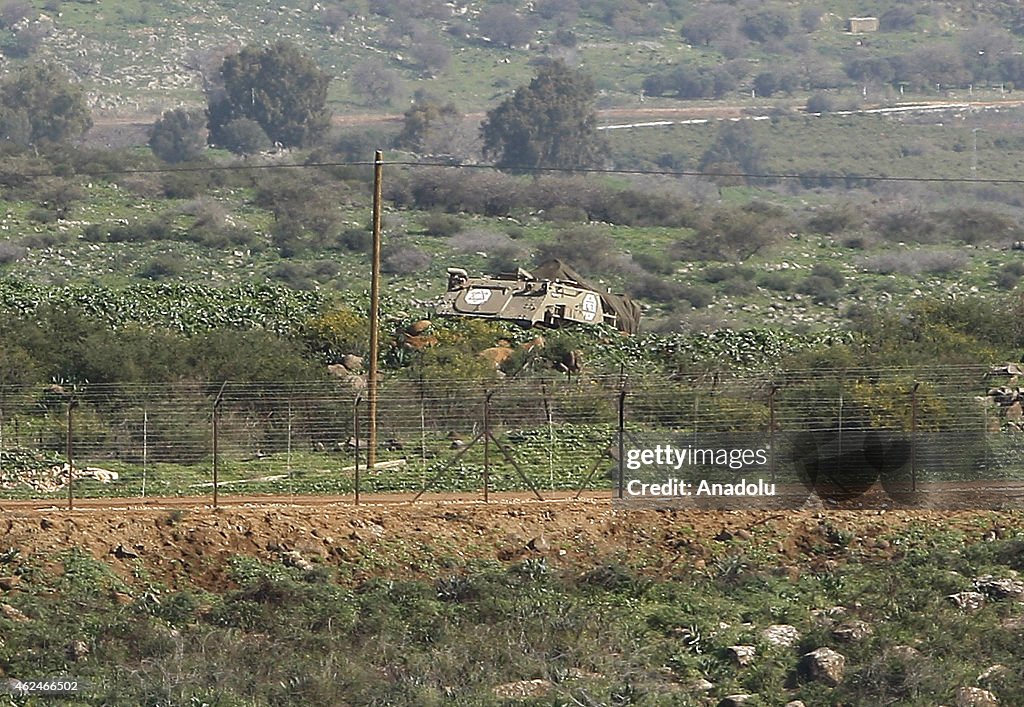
[{"x": 553, "y": 295}]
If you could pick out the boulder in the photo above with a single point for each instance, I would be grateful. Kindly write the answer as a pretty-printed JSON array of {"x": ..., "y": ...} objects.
[
  {"x": 352, "y": 363},
  {"x": 999, "y": 588},
  {"x": 497, "y": 355},
  {"x": 823, "y": 665},
  {"x": 12, "y": 614},
  {"x": 522, "y": 689},
  {"x": 994, "y": 673},
  {"x": 742, "y": 655},
  {"x": 419, "y": 327},
  {"x": 781, "y": 635},
  {"x": 853, "y": 630},
  {"x": 735, "y": 700},
  {"x": 967, "y": 601},
  {"x": 975, "y": 697}
]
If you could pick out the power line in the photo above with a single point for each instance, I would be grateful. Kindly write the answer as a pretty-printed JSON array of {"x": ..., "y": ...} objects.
[{"x": 777, "y": 176}]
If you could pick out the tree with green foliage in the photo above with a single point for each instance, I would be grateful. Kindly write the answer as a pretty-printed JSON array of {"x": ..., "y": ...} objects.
[
  {"x": 735, "y": 151},
  {"x": 39, "y": 105},
  {"x": 178, "y": 136},
  {"x": 552, "y": 122},
  {"x": 425, "y": 124},
  {"x": 278, "y": 87},
  {"x": 244, "y": 136}
]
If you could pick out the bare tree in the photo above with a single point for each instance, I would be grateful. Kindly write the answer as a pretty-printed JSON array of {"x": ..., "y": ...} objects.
[
  {"x": 373, "y": 81},
  {"x": 505, "y": 26}
]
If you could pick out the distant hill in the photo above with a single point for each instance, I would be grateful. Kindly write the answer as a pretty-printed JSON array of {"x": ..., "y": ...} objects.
[{"x": 143, "y": 57}]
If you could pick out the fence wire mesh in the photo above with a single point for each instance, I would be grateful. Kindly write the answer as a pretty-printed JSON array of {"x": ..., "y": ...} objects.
[{"x": 918, "y": 429}]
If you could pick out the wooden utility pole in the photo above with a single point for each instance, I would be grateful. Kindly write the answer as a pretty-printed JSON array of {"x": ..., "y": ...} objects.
[{"x": 371, "y": 384}]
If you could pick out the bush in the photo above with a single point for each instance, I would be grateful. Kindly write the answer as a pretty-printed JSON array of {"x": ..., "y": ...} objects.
[
  {"x": 163, "y": 266},
  {"x": 973, "y": 225},
  {"x": 590, "y": 250},
  {"x": 721, "y": 273},
  {"x": 438, "y": 224},
  {"x": 563, "y": 213},
  {"x": 186, "y": 185},
  {"x": 820, "y": 103},
  {"x": 775, "y": 281},
  {"x": 739, "y": 287},
  {"x": 821, "y": 288},
  {"x": 404, "y": 259},
  {"x": 1007, "y": 280},
  {"x": 10, "y": 252},
  {"x": 829, "y": 273},
  {"x": 295, "y": 275},
  {"x": 831, "y": 220},
  {"x": 655, "y": 264},
  {"x": 914, "y": 262},
  {"x": 906, "y": 226},
  {"x": 357, "y": 240},
  {"x": 178, "y": 136},
  {"x": 244, "y": 136}
]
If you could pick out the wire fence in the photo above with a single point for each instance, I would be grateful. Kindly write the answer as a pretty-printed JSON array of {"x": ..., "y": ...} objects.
[{"x": 833, "y": 433}]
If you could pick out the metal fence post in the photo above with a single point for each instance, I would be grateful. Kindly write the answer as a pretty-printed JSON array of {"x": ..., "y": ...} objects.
[
  {"x": 288, "y": 450},
  {"x": 487, "y": 444},
  {"x": 913, "y": 437},
  {"x": 3, "y": 404},
  {"x": 216, "y": 439},
  {"x": 355, "y": 434},
  {"x": 68, "y": 450},
  {"x": 622, "y": 442},
  {"x": 145, "y": 448},
  {"x": 771, "y": 430}
]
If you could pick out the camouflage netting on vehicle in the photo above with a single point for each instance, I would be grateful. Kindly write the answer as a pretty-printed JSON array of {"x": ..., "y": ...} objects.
[{"x": 627, "y": 312}]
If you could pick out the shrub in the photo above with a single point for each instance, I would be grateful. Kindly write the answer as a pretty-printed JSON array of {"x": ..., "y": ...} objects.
[
  {"x": 178, "y": 136},
  {"x": 821, "y": 288},
  {"x": 721, "y": 273},
  {"x": 163, "y": 266},
  {"x": 481, "y": 240},
  {"x": 565, "y": 213},
  {"x": 41, "y": 215},
  {"x": 244, "y": 136},
  {"x": 901, "y": 226},
  {"x": 1007, "y": 280},
  {"x": 357, "y": 240},
  {"x": 739, "y": 286},
  {"x": 831, "y": 220},
  {"x": 973, "y": 225},
  {"x": 10, "y": 252},
  {"x": 656, "y": 264},
  {"x": 775, "y": 281},
  {"x": 186, "y": 185},
  {"x": 829, "y": 273},
  {"x": 295, "y": 275},
  {"x": 820, "y": 103},
  {"x": 914, "y": 262},
  {"x": 590, "y": 250},
  {"x": 438, "y": 224},
  {"x": 404, "y": 259}
]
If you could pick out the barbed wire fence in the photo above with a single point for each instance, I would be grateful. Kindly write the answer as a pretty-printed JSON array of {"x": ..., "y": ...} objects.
[{"x": 538, "y": 433}]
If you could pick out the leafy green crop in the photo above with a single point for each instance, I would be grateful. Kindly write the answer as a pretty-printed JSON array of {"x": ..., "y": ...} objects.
[{"x": 184, "y": 307}]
